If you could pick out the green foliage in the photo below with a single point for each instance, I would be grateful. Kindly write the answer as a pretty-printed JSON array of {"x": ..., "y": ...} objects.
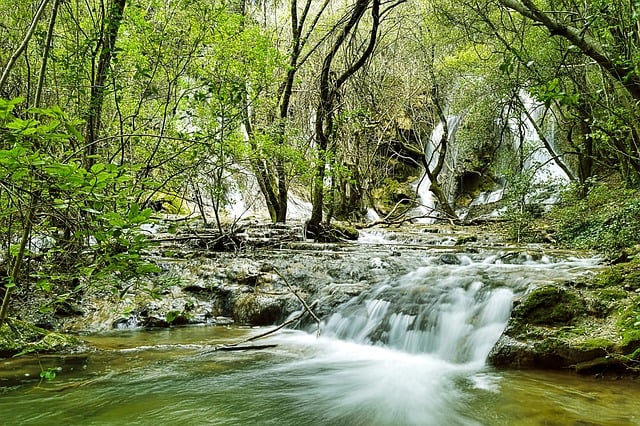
[
  {"x": 522, "y": 199},
  {"x": 605, "y": 220},
  {"x": 49, "y": 374},
  {"x": 551, "y": 92},
  {"x": 86, "y": 216}
]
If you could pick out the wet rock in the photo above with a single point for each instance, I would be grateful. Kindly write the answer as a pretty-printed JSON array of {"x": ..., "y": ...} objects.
[
  {"x": 256, "y": 309},
  {"x": 466, "y": 239},
  {"x": 550, "y": 352},
  {"x": 450, "y": 259},
  {"x": 243, "y": 274},
  {"x": 547, "y": 305}
]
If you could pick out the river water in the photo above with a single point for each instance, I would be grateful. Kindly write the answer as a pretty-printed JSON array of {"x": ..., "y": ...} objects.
[{"x": 409, "y": 351}]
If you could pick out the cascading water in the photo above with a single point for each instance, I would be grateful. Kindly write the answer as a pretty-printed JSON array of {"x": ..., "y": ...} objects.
[
  {"x": 427, "y": 202},
  {"x": 527, "y": 138},
  {"x": 412, "y": 350},
  {"x": 454, "y": 317}
]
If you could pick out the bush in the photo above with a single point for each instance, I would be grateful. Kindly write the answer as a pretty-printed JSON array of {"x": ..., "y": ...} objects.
[{"x": 606, "y": 219}]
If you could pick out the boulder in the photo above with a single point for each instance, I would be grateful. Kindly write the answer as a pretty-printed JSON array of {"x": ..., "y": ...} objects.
[{"x": 560, "y": 326}]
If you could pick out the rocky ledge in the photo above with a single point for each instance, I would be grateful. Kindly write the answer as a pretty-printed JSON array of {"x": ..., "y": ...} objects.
[{"x": 590, "y": 326}]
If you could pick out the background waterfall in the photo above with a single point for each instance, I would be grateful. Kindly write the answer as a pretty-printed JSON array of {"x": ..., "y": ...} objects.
[
  {"x": 528, "y": 130},
  {"x": 427, "y": 207}
]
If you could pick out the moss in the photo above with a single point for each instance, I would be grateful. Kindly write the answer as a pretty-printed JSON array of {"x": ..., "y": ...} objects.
[
  {"x": 169, "y": 203},
  {"x": 466, "y": 239},
  {"x": 346, "y": 231},
  {"x": 611, "y": 294},
  {"x": 335, "y": 232},
  {"x": 596, "y": 343},
  {"x": 630, "y": 340},
  {"x": 548, "y": 305},
  {"x": 612, "y": 276},
  {"x": 17, "y": 337},
  {"x": 392, "y": 192},
  {"x": 635, "y": 355}
]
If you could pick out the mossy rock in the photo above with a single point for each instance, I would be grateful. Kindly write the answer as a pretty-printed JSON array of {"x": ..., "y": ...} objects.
[
  {"x": 624, "y": 275},
  {"x": 345, "y": 231},
  {"x": 547, "y": 305},
  {"x": 334, "y": 233},
  {"x": 594, "y": 329},
  {"x": 168, "y": 203},
  {"x": 18, "y": 337},
  {"x": 393, "y": 192}
]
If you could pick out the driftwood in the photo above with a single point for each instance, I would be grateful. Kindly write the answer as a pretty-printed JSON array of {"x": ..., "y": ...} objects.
[
  {"x": 397, "y": 219},
  {"x": 236, "y": 346},
  {"x": 306, "y": 306},
  {"x": 243, "y": 348}
]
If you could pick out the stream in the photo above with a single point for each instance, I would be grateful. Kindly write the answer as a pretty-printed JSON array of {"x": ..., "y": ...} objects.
[{"x": 409, "y": 350}]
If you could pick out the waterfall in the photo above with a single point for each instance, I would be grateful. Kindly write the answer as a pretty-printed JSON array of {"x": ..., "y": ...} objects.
[
  {"x": 525, "y": 126},
  {"x": 412, "y": 349},
  {"x": 446, "y": 310},
  {"x": 525, "y": 130},
  {"x": 432, "y": 154}
]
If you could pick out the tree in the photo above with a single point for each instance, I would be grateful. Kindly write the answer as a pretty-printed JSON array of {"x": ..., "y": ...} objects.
[
  {"x": 607, "y": 33},
  {"x": 271, "y": 161},
  {"x": 329, "y": 90},
  {"x": 106, "y": 45}
]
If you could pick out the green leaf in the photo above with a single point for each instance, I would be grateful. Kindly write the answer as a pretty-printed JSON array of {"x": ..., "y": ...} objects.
[
  {"x": 147, "y": 268},
  {"x": 6, "y": 107},
  {"x": 49, "y": 374},
  {"x": 44, "y": 285},
  {"x": 73, "y": 131},
  {"x": 97, "y": 168},
  {"x": 171, "y": 316}
]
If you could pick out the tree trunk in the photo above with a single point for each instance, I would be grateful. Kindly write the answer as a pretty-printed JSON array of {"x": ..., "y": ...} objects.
[
  {"x": 622, "y": 73},
  {"x": 25, "y": 42},
  {"x": 98, "y": 87},
  {"x": 442, "y": 148},
  {"x": 45, "y": 54},
  {"x": 16, "y": 268},
  {"x": 329, "y": 89}
]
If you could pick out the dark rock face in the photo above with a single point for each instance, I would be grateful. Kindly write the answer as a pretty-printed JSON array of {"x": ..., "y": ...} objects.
[{"x": 450, "y": 259}]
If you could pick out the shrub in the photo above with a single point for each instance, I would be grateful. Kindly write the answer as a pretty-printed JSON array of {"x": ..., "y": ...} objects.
[{"x": 605, "y": 220}]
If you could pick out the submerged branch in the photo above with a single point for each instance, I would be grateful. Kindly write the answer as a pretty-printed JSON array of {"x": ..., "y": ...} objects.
[{"x": 236, "y": 346}]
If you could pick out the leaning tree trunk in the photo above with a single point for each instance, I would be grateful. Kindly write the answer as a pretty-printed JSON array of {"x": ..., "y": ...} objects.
[
  {"x": 25, "y": 42},
  {"x": 443, "y": 146}
]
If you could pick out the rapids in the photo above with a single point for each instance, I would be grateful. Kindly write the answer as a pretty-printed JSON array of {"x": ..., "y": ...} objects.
[{"x": 409, "y": 350}]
